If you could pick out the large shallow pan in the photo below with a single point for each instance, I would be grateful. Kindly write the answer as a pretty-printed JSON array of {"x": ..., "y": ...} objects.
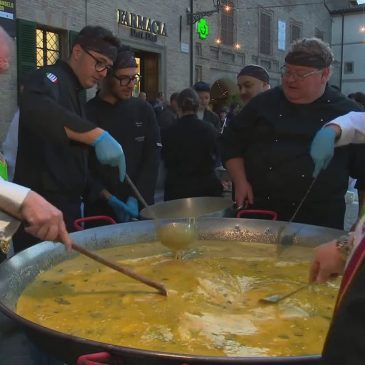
[{"x": 19, "y": 271}]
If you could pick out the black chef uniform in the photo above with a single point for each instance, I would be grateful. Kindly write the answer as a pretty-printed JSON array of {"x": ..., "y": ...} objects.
[
  {"x": 133, "y": 124},
  {"x": 48, "y": 162},
  {"x": 273, "y": 136}
]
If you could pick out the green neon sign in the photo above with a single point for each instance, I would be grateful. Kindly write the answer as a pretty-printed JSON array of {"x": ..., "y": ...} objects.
[{"x": 203, "y": 28}]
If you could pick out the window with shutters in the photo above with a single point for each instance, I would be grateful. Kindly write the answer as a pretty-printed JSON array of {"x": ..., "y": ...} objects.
[
  {"x": 265, "y": 33},
  {"x": 227, "y": 23},
  {"x": 295, "y": 32},
  {"x": 48, "y": 47}
]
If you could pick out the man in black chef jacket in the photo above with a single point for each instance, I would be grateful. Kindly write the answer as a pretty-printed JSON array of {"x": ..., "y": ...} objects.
[
  {"x": 132, "y": 122},
  {"x": 266, "y": 147},
  {"x": 54, "y": 133}
]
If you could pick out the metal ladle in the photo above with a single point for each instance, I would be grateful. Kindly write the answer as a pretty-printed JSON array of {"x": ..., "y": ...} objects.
[
  {"x": 276, "y": 298},
  {"x": 175, "y": 236}
]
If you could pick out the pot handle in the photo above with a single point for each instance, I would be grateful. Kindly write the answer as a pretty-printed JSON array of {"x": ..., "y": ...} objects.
[
  {"x": 271, "y": 213},
  {"x": 79, "y": 221},
  {"x": 99, "y": 358}
]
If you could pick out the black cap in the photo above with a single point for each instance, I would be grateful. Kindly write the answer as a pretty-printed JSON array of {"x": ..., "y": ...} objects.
[
  {"x": 201, "y": 86},
  {"x": 98, "y": 39},
  {"x": 255, "y": 71}
]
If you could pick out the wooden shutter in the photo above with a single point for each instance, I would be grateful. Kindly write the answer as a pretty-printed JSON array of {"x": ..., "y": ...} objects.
[{"x": 26, "y": 47}]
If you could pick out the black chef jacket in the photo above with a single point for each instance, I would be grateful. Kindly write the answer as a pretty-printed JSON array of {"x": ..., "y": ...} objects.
[
  {"x": 189, "y": 152},
  {"x": 133, "y": 124},
  {"x": 274, "y": 136},
  {"x": 47, "y": 161}
]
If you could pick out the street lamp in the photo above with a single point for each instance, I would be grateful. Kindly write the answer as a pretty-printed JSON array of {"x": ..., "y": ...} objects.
[{"x": 192, "y": 19}]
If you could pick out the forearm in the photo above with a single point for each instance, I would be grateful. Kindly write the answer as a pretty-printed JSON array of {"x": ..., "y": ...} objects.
[
  {"x": 12, "y": 197},
  {"x": 350, "y": 128},
  {"x": 236, "y": 169},
  {"x": 85, "y": 137}
]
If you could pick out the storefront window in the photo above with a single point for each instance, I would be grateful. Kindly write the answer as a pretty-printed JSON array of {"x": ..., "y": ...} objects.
[{"x": 48, "y": 47}]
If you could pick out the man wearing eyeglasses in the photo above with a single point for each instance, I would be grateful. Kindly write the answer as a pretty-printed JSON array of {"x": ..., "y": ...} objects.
[
  {"x": 54, "y": 133},
  {"x": 132, "y": 122},
  {"x": 266, "y": 148}
]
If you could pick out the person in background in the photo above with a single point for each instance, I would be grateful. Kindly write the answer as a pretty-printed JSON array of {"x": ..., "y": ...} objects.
[
  {"x": 189, "y": 153},
  {"x": 223, "y": 116},
  {"x": 54, "y": 134},
  {"x": 169, "y": 114},
  {"x": 345, "y": 255},
  {"x": 204, "y": 113},
  {"x": 143, "y": 96},
  {"x": 10, "y": 144},
  {"x": 359, "y": 97},
  {"x": 132, "y": 122},
  {"x": 159, "y": 103},
  {"x": 252, "y": 80},
  {"x": 265, "y": 148}
]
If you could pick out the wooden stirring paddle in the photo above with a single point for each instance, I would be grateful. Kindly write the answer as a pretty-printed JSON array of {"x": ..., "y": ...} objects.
[{"x": 121, "y": 268}]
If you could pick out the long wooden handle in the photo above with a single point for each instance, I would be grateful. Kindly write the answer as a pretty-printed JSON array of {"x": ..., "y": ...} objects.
[{"x": 121, "y": 268}]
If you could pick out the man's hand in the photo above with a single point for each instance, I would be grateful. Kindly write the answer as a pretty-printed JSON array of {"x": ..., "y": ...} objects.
[
  {"x": 109, "y": 152},
  {"x": 322, "y": 149},
  {"x": 124, "y": 211},
  {"x": 328, "y": 263},
  {"x": 243, "y": 194},
  {"x": 43, "y": 220}
]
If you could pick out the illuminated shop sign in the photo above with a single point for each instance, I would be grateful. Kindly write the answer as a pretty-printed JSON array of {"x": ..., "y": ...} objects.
[
  {"x": 7, "y": 16},
  {"x": 142, "y": 26}
]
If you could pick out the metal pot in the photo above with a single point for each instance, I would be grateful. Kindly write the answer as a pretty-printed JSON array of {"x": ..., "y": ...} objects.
[{"x": 20, "y": 270}]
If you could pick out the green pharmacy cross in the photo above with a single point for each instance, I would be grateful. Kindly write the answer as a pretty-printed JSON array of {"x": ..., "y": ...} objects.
[{"x": 203, "y": 28}]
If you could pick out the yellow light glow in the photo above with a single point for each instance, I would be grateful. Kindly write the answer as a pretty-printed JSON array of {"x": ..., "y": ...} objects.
[
  {"x": 227, "y": 8},
  {"x": 218, "y": 41},
  {"x": 362, "y": 29},
  {"x": 237, "y": 46}
]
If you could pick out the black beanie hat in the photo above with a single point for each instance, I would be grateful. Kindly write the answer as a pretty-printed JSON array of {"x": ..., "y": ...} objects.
[{"x": 255, "y": 71}]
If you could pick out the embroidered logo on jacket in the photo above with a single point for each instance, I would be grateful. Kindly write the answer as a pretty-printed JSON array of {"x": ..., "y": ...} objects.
[{"x": 53, "y": 78}]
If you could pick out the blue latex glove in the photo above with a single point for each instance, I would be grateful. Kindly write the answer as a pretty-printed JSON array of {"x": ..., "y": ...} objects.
[
  {"x": 109, "y": 152},
  {"x": 124, "y": 211},
  {"x": 322, "y": 149}
]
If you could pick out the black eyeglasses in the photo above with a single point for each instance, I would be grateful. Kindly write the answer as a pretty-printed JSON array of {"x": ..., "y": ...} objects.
[
  {"x": 100, "y": 66},
  {"x": 126, "y": 80}
]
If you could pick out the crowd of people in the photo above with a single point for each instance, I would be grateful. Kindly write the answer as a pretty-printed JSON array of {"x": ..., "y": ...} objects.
[{"x": 274, "y": 144}]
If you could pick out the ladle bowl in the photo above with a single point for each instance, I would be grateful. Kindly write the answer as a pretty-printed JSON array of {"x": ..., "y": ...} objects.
[{"x": 177, "y": 236}]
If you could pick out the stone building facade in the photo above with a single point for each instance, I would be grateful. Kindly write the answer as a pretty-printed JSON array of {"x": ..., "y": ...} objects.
[{"x": 160, "y": 33}]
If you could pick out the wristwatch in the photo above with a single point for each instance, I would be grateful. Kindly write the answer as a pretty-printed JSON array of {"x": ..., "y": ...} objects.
[{"x": 344, "y": 244}]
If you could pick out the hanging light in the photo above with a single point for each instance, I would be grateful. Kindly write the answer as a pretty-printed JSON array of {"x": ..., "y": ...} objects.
[
  {"x": 362, "y": 29},
  {"x": 227, "y": 8},
  {"x": 237, "y": 46},
  {"x": 218, "y": 41}
]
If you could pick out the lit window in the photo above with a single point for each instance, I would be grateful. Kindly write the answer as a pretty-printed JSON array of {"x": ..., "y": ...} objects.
[{"x": 48, "y": 47}]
